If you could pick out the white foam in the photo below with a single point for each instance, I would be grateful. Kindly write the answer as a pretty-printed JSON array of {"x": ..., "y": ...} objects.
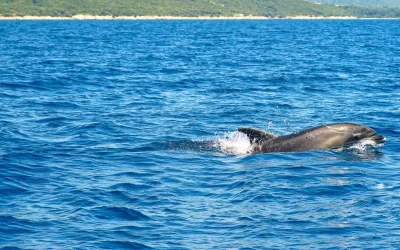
[
  {"x": 364, "y": 145},
  {"x": 380, "y": 186},
  {"x": 233, "y": 143}
]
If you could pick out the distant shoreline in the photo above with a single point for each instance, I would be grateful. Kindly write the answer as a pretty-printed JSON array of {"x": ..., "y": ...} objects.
[{"x": 240, "y": 17}]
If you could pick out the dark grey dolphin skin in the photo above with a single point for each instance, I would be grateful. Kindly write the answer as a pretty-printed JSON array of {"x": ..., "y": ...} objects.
[{"x": 328, "y": 136}]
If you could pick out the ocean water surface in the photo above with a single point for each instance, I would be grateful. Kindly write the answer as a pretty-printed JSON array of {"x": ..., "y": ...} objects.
[{"x": 122, "y": 134}]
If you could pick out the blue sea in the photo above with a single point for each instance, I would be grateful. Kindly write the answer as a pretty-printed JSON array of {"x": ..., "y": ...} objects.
[{"x": 123, "y": 134}]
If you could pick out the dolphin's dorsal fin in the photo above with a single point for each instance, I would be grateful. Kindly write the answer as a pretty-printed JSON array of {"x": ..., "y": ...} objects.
[{"x": 256, "y": 135}]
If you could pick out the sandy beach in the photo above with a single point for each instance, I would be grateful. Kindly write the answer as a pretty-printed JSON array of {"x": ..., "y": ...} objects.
[{"x": 238, "y": 17}]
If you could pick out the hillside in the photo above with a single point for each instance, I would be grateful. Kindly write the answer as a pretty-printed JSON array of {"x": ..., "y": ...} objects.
[
  {"x": 371, "y": 3},
  {"x": 189, "y": 8}
]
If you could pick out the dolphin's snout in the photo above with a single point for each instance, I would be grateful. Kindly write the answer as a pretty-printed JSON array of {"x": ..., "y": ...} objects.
[{"x": 378, "y": 138}]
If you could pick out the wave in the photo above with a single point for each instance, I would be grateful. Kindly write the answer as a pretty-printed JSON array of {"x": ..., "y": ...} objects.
[
  {"x": 122, "y": 245},
  {"x": 121, "y": 213}
]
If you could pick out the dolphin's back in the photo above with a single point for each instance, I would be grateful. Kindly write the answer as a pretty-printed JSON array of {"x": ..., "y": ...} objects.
[
  {"x": 324, "y": 136},
  {"x": 299, "y": 141}
]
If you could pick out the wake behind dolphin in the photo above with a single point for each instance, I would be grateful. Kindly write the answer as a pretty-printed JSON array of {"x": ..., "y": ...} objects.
[
  {"x": 228, "y": 143},
  {"x": 330, "y": 136}
]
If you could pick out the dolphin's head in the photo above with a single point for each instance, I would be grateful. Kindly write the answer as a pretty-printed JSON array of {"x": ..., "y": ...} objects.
[{"x": 356, "y": 133}]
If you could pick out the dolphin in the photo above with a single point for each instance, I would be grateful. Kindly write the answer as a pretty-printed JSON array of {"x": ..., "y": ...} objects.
[{"x": 329, "y": 136}]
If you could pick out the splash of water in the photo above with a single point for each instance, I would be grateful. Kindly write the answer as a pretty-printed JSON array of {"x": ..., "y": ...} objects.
[
  {"x": 363, "y": 150},
  {"x": 233, "y": 143},
  {"x": 365, "y": 145}
]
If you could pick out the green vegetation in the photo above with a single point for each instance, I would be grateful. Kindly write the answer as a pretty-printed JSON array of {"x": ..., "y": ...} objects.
[
  {"x": 373, "y": 12},
  {"x": 190, "y": 8},
  {"x": 370, "y": 3}
]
